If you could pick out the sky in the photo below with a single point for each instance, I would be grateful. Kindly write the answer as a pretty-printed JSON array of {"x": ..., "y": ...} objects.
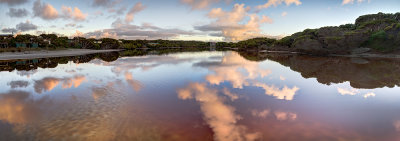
[{"x": 203, "y": 20}]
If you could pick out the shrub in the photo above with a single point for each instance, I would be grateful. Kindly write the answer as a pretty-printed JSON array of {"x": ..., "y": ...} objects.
[
  {"x": 381, "y": 41},
  {"x": 348, "y": 26},
  {"x": 380, "y": 35},
  {"x": 286, "y": 41}
]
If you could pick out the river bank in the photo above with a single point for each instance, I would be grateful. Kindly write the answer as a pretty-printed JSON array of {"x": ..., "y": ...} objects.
[{"x": 49, "y": 53}]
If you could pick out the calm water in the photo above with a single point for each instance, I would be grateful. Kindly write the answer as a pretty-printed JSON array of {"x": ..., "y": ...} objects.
[{"x": 199, "y": 96}]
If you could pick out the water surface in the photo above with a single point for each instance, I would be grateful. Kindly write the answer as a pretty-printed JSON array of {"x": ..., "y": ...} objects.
[{"x": 198, "y": 96}]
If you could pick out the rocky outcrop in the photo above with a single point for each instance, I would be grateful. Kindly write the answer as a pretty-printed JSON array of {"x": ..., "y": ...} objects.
[
  {"x": 379, "y": 32},
  {"x": 309, "y": 45}
]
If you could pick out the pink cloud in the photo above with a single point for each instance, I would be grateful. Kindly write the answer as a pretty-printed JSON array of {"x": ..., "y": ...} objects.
[
  {"x": 44, "y": 10},
  {"x": 75, "y": 14},
  {"x": 275, "y": 3},
  {"x": 135, "y": 9}
]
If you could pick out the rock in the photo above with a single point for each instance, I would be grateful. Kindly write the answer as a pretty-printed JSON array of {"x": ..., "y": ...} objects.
[
  {"x": 359, "y": 61},
  {"x": 360, "y": 50},
  {"x": 310, "y": 46}
]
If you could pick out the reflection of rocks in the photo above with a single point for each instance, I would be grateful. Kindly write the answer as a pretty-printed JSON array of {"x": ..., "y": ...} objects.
[
  {"x": 109, "y": 57},
  {"x": 18, "y": 84},
  {"x": 366, "y": 73},
  {"x": 359, "y": 61}
]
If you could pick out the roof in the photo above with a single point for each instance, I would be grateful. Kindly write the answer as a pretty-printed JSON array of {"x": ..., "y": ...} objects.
[{"x": 5, "y": 35}]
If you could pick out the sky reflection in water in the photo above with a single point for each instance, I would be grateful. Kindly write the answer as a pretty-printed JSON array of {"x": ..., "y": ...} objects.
[{"x": 198, "y": 96}]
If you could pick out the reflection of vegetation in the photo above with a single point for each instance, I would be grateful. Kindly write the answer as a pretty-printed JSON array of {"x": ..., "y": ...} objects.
[
  {"x": 143, "y": 52},
  {"x": 361, "y": 73},
  {"x": 33, "y": 64},
  {"x": 108, "y": 57}
]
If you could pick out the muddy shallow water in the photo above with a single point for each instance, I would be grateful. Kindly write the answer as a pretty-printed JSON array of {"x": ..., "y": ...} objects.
[{"x": 208, "y": 95}]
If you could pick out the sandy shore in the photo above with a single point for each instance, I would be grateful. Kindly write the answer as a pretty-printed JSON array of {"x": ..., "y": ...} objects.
[{"x": 48, "y": 53}]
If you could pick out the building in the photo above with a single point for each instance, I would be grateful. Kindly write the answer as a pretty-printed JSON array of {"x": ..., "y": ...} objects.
[
  {"x": 5, "y": 36},
  {"x": 3, "y": 45},
  {"x": 47, "y": 41},
  {"x": 153, "y": 44},
  {"x": 97, "y": 41},
  {"x": 213, "y": 44},
  {"x": 18, "y": 45},
  {"x": 3, "y": 40},
  {"x": 27, "y": 45}
]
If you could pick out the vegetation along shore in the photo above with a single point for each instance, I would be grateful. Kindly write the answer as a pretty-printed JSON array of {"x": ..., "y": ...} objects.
[{"x": 370, "y": 35}]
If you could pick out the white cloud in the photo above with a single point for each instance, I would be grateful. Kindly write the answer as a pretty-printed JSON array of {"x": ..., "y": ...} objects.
[
  {"x": 78, "y": 34},
  {"x": 344, "y": 91},
  {"x": 370, "y": 94},
  {"x": 75, "y": 14},
  {"x": 201, "y": 4},
  {"x": 135, "y": 9},
  {"x": 284, "y": 14},
  {"x": 344, "y": 2},
  {"x": 275, "y": 3},
  {"x": 266, "y": 19},
  {"x": 44, "y": 10},
  {"x": 231, "y": 24},
  {"x": 48, "y": 12}
]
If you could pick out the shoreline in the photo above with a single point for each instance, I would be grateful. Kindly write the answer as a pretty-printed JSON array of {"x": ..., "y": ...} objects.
[
  {"x": 49, "y": 53},
  {"x": 362, "y": 55},
  {"x": 76, "y": 52},
  {"x": 369, "y": 55}
]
